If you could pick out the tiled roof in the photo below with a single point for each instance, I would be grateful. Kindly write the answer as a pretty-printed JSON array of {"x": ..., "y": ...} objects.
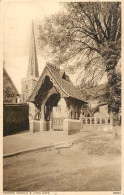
[
  {"x": 64, "y": 83},
  {"x": 9, "y": 81},
  {"x": 67, "y": 86},
  {"x": 9, "y": 89}
]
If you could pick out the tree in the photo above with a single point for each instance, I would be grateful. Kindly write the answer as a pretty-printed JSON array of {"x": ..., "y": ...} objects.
[{"x": 87, "y": 35}]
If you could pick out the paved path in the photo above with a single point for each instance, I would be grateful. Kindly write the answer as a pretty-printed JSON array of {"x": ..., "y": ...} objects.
[
  {"x": 28, "y": 140},
  {"x": 86, "y": 166}
]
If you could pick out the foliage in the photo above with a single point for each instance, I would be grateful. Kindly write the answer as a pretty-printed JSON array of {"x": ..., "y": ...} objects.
[
  {"x": 94, "y": 92},
  {"x": 87, "y": 36}
]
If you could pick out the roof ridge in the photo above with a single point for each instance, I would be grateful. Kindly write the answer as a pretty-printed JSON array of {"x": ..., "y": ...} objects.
[
  {"x": 68, "y": 88},
  {"x": 11, "y": 81},
  {"x": 53, "y": 66},
  {"x": 58, "y": 82},
  {"x": 67, "y": 82}
]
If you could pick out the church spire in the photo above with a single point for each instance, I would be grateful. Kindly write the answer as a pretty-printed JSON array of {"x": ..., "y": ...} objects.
[{"x": 33, "y": 63}]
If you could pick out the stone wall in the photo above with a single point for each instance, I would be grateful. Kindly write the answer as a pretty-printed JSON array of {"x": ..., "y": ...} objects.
[
  {"x": 35, "y": 126},
  {"x": 71, "y": 126},
  {"x": 99, "y": 128},
  {"x": 97, "y": 124}
]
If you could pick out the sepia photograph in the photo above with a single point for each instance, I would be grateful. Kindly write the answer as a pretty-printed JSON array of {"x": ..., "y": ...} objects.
[{"x": 62, "y": 110}]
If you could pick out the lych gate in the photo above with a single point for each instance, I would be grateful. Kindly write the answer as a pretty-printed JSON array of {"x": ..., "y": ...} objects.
[{"x": 55, "y": 103}]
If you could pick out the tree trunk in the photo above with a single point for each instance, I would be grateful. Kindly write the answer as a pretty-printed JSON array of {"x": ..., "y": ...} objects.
[{"x": 111, "y": 56}]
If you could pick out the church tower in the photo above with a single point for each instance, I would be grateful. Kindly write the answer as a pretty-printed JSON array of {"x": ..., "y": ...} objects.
[{"x": 28, "y": 84}]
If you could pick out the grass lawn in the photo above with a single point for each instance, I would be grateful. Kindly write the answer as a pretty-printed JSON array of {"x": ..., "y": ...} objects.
[{"x": 93, "y": 164}]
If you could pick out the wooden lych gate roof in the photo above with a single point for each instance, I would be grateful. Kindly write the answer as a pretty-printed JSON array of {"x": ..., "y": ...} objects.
[{"x": 60, "y": 80}]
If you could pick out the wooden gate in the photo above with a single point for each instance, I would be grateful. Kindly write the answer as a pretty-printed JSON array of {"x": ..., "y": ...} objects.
[{"x": 58, "y": 124}]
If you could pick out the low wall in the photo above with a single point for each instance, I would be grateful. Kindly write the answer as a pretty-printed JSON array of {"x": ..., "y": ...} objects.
[
  {"x": 15, "y": 118},
  {"x": 34, "y": 126},
  {"x": 38, "y": 125},
  {"x": 100, "y": 124},
  {"x": 71, "y": 126},
  {"x": 117, "y": 131},
  {"x": 106, "y": 128},
  {"x": 45, "y": 125}
]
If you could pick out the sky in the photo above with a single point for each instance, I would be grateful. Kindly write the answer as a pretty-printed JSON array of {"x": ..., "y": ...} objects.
[
  {"x": 17, "y": 28},
  {"x": 17, "y": 22}
]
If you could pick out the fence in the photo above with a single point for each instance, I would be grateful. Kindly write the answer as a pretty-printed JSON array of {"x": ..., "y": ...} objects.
[
  {"x": 15, "y": 118},
  {"x": 96, "y": 123}
]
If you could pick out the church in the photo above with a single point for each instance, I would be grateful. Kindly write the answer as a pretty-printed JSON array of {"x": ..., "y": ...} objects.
[
  {"x": 54, "y": 102},
  {"x": 10, "y": 92}
]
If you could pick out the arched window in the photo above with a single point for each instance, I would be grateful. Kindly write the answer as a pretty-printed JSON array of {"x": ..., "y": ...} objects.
[
  {"x": 108, "y": 120},
  {"x": 88, "y": 115},
  {"x": 16, "y": 100}
]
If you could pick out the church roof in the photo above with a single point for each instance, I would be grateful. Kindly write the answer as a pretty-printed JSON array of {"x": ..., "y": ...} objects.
[
  {"x": 33, "y": 63},
  {"x": 68, "y": 86},
  {"x": 63, "y": 82},
  {"x": 9, "y": 89}
]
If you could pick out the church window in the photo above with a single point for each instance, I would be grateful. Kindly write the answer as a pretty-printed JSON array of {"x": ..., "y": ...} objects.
[
  {"x": 16, "y": 100},
  {"x": 108, "y": 120},
  {"x": 88, "y": 115}
]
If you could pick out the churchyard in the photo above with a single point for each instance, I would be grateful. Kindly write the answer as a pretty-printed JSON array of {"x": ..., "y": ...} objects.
[
  {"x": 77, "y": 91},
  {"x": 92, "y": 164}
]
